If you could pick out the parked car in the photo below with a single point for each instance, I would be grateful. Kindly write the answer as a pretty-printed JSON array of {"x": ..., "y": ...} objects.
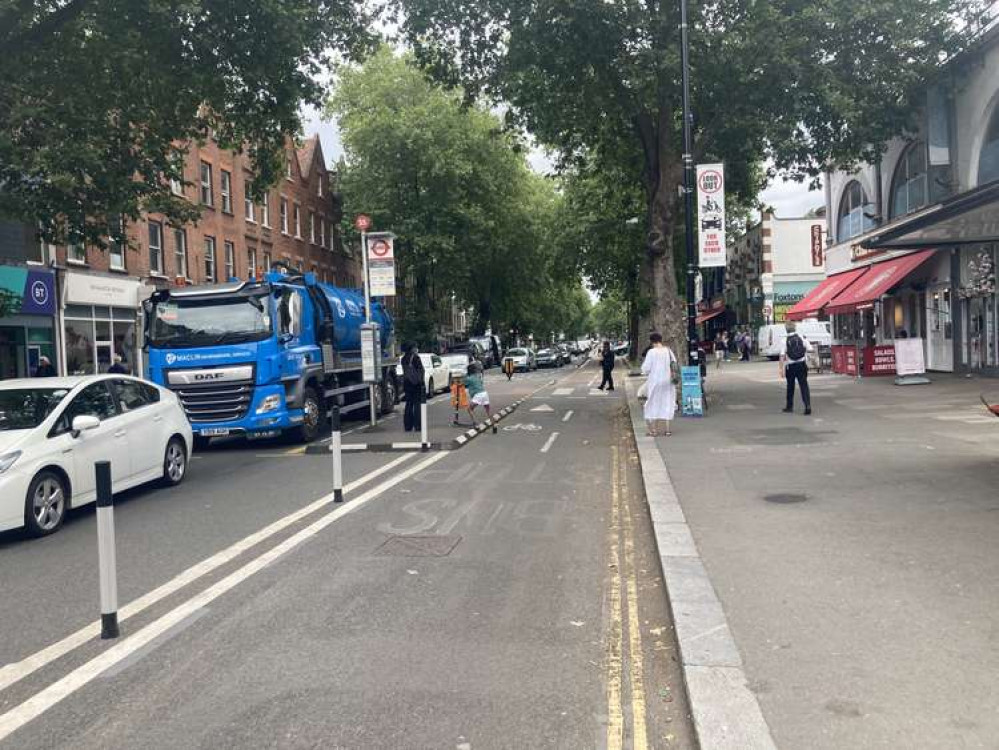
[
  {"x": 436, "y": 374},
  {"x": 457, "y": 365},
  {"x": 550, "y": 357},
  {"x": 566, "y": 352},
  {"x": 485, "y": 344},
  {"x": 524, "y": 360},
  {"x": 770, "y": 338},
  {"x": 53, "y": 431}
]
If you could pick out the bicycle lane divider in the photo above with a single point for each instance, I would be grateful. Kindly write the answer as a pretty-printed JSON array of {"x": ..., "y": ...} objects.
[
  {"x": 14, "y": 672},
  {"x": 50, "y": 696}
]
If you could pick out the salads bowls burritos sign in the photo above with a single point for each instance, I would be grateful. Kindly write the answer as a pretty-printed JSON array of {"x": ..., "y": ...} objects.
[{"x": 711, "y": 214}]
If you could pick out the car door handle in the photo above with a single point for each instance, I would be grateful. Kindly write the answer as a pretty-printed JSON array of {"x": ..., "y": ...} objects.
[
  {"x": 158, "y": 418},
  {"x": 120, "y": 433}
]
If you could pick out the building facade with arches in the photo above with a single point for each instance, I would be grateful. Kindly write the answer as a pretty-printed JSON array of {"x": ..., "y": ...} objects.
[{"x": 913, "y": 240}]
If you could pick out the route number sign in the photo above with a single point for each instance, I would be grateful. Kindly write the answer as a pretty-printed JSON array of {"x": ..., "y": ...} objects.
[{"x": 362, "y": 223}]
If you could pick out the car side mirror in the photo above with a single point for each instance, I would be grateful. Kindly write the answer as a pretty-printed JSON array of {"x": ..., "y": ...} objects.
[{"x": 83, "y": 423}]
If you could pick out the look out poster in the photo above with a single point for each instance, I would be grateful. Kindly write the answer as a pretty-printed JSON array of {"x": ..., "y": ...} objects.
[{"x": 711, "y": 215}]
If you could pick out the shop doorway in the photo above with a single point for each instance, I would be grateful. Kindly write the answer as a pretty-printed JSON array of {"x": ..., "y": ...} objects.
[
  {"x": 11, "y": 353},
  {"x": 940, "y": 333}
]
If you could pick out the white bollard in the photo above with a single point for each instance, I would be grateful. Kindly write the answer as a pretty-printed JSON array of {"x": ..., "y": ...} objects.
[
  {"x": 424, "y": 440},
  {"x": 106, "y": 562},
  {"x": 336, "y": 448}
]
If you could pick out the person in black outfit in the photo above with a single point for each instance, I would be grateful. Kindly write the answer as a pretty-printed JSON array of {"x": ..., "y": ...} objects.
[
  {"x": 45, "y": 368},
  {"x": 607, "y": 364},
  {"x": 412, "y": 385},
  {"x": 118, "y": 367}
]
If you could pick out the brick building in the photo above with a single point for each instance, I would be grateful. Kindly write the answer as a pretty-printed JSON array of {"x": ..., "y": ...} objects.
[{"x": 97, "y": 295}]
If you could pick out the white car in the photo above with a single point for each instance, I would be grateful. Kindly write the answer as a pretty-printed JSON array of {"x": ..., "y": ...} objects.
[
  {"x": 54, "y": 430},
  {"x": 457, "y": 364},
  {"x": 436, "y": 374}
]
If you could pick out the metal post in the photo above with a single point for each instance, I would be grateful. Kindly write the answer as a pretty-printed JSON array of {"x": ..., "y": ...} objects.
[
  {"x": 424, "y": 440},
  {"x": 336, "y": 448},
  {"x": 367, "y": 288},
  {"x": 688, "y": 190},
  {"x": 106, "y": 563}
]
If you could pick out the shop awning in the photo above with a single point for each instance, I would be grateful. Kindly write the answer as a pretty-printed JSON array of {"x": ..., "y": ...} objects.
[
  {"x": 820, "y": 296},
  {"x": 969, "y": 218},
  {"x": 879, "y": 279},
  {"x": 705, "y": 316}
]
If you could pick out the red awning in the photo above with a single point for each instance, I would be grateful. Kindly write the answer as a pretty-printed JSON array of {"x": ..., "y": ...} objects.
[
  {"x": 879, "y": 279},
  {"x": 709, "y": 315},
  {"x": 820, "y": 296}
]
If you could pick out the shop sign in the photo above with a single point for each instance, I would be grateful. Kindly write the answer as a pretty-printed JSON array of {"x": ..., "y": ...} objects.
[
  {"x": 879, "y": 360},
  {"x": 89, "y": 289},
  {"x": 909, "y": 357},
  {"x": 711, "y": 214},
  {"x": 844, "y": 359},
  {"x": 858, "y": 253},
  {"x": 692, "y": 398},
  {"x": 817, "y": 260},
  {"x": 26, "y": 290}
]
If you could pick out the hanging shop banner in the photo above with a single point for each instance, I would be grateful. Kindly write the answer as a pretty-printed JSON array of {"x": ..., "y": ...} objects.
[
  {"x": 381, "y": 277},
  {"x": 909, "y": 357},
  {"x": 30, "y": 291},
  {"x": 711, "y": 214},
  {"x": 691, "y": 394}
]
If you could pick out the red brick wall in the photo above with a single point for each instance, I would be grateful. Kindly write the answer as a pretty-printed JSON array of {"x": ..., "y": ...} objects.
[{"x": 329, "y": 262}]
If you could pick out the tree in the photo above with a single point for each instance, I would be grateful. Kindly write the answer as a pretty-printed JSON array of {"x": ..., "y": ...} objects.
[
  {"x": 99, "y": 99},
  {"x": 609, "y": 319},
  {"x": 470, "y": 217},
  {"x": 807, "y": 83}
]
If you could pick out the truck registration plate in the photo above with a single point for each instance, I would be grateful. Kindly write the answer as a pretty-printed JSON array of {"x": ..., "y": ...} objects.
[{"x": 214, "y": 431}]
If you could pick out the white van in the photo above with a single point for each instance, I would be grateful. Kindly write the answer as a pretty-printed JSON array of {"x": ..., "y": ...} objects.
[{"x": 771, "y": 337}]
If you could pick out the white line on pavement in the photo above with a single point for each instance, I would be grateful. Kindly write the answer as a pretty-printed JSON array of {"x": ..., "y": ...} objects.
[
  {"x": 568, "y": 416},
  {"x": 79, "y": 677},
  {"x": 16, "y": 671},
  {"x": 562, "y": 392},
  {"x": 548, "y": 443}
]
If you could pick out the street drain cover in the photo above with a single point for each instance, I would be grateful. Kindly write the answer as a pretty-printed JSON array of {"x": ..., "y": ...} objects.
[
  {"x": 785, "y": 498},
  {"x": 429, "y": 545}
]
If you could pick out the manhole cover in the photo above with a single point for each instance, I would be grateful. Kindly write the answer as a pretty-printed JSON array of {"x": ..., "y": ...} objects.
[
  {"x": 418, "y": 546},
  {"x": 785, "y": 498}
]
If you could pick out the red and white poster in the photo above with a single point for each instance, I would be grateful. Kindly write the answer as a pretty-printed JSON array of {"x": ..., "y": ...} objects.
[{"x": 711, "y": 214}]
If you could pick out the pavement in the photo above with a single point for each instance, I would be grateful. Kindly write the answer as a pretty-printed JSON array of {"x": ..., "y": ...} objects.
[
  {"x": 852, "y": 551},
  {"x": 504, "y": 595}
]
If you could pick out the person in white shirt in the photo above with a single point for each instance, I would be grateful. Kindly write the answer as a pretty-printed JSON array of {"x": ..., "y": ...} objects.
[{"x": 793, "y": 367}]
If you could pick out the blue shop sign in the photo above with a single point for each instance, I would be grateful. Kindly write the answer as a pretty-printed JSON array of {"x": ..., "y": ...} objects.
[
  {"x": 28, "y": 291},
  {"x": 691, "y": 395}
]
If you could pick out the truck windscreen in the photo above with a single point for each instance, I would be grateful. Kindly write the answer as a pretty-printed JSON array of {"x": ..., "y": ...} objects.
[{"x": 179, "y": 323}]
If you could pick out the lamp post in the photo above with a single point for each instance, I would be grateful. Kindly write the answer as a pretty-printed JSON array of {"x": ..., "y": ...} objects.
[{"x": 688, "y": 190}]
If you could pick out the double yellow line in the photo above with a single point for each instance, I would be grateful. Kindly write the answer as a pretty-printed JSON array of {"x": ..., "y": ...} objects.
[{"x": 623, "y": 595}]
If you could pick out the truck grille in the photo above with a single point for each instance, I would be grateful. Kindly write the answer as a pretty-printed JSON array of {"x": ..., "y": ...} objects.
[{"x": 214, "y": 394}]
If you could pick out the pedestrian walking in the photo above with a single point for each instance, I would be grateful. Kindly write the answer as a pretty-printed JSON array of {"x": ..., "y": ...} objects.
[
  {"x": 607, "y": 365},
  {"x": 118, "y": 367},
  {"x": 412, "y": 384},
  {"x": 721, "y": 348},
  {"x": 477, "y": 393},
  {"x": 793, "y": 367},
  {"x": 747, "y": 346},
  {"x": 663, "y": 370},
  {"x": 45, "y": 368}
]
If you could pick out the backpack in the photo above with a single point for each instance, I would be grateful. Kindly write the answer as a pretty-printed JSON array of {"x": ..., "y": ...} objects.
[
  {"x": 795, "y": 347},
  {"x": 413, "y": 376}
]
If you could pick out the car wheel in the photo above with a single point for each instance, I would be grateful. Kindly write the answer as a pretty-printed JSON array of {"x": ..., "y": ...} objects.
[
  {"x": 45, "y": 504},
  {"x": 430, "y": 388},
  {"x": 174, "y": 462},
  {"x": 308, "y": 431}
]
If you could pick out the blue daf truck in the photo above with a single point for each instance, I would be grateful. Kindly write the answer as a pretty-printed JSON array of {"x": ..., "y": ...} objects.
[{"x": 266, "y": 356}]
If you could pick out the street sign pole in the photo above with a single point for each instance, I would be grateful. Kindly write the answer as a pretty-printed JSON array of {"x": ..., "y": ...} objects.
[
  {"x": 363, "y": 223},
  {"x": 688, "y": 191}
]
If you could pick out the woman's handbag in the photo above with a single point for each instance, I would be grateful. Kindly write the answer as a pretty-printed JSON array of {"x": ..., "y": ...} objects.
[{"x": 674, "y": 369}]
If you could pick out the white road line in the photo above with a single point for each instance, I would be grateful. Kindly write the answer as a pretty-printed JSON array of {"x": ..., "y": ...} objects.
[
  {"x": 562, "y": 392},
  {"x": 81, "y": 676},
  {"x": 548, "y": 443},
  {"x": 16, "y": 671},
  {"x": 568, "y": 416}
]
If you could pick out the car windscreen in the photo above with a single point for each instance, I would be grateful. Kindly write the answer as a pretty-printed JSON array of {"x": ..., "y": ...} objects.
[
  {"x": 179, "y": 323},
  {"x": 517, "y": 352},
  {"x": 26, "y": 408}
]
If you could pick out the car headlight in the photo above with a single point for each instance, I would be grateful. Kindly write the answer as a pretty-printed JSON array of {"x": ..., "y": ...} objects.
[
  {"x": 7, "y": 460},
  {"x": 270, "y": 403}
]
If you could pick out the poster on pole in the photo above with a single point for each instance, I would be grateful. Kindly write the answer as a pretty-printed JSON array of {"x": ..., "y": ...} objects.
[
  {"x": 711, "y": 215},
  {"x": 381, "y": 277}
]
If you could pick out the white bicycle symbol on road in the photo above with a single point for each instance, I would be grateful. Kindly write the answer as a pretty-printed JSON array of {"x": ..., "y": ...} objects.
[{"x": 524, "y": 427}]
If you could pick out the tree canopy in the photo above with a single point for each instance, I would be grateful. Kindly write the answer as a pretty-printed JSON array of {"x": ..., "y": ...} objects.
[
  {"x": 100, "y": 98},
  {"x": 805, "y": 83}
]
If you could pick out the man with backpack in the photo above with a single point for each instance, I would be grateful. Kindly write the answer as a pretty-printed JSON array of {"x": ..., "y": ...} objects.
[
  {"x": 793, "y": 367},
  {"x": 413, "y": 384}
]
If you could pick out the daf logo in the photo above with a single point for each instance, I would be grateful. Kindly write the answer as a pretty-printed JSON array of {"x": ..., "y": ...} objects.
[
  {"x": 171, "y": 358},
  {"x": 209, "y": 375}
]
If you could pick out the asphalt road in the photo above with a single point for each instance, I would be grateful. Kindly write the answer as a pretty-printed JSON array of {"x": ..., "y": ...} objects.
[{"x": 505, "y": 595}]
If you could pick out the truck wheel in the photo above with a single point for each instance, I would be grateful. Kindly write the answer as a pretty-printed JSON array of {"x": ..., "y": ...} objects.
[
  {"x": 312, "y": 417},
  {"x": 388, "y": 396}
]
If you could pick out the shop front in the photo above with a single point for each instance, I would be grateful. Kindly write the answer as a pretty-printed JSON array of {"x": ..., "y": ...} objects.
[
  {"x": 100, "y": 320},
  {"x": 27, "y": 309},
  {"x": 787, "y": 294}
]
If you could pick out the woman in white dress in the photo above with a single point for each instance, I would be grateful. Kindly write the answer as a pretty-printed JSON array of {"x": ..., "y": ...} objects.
[{"x": 660, "y": 390}]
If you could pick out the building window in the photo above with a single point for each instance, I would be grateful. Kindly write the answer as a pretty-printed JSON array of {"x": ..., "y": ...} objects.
[
  {"x": 265, "y": 211},
  {"x": 267, "y": 261},
  {"x": 319, "y": 185},
  {"x": 251, "y": 262},
  {"x": 312, "y": 227},
  {"x": 226, "y": 186},
  {"x": 284, "y": 216},
  {"x": 852, "y": 221},
  {"x": 287, "y": 169},
  {"x": 298, "y": 222},
  {"x": 248, "y": 203},
  {"x": 230, "y": 259},
  {"x": 116, "y": 245},
  {"x": 322, "y": 231},
  {"x": 206, "y": 183},
  {"x": 210, "y": 259},
  {"x": 180, "y": 252},
  {"x": 988, "y": 160},
  {"x": 76, "y": 252},
  {"x": 908, "y": 192},
  {"x": 156, "y": 247}
]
